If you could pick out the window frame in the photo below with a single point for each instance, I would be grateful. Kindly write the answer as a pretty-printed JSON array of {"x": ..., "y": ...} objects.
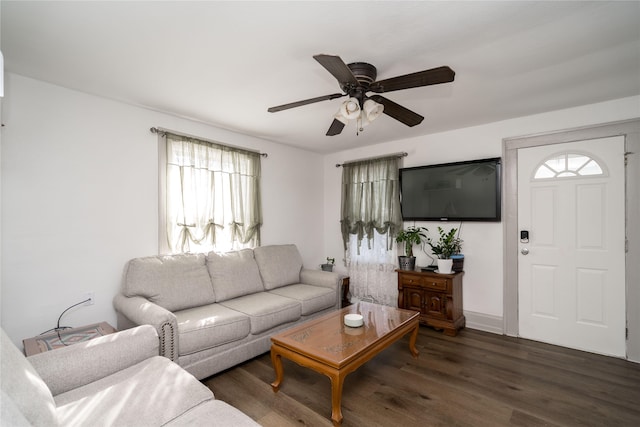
[{"x": 163, "y": 237}]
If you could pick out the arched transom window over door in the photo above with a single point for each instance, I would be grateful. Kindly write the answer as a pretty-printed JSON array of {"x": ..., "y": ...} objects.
[{"x": 568, "y": 165}]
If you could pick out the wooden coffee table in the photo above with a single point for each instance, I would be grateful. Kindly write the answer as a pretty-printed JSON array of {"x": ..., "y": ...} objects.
[{"x": 329, "y": 347}]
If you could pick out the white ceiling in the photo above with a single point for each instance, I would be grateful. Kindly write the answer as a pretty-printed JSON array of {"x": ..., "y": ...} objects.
[{"x": 225, "y": 63}]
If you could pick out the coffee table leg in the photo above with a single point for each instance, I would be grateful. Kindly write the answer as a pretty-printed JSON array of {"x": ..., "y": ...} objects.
[
  {"x": 412, "y": 342},
  {"x": 337, "y": 381},
  {"x": 276, "y": 359}
]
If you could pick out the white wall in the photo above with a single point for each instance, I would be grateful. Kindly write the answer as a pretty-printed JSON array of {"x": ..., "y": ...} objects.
[
  {"x": 79, "y": 181},
  {"x": 483, "y": 248},
  {"x": 79, "y": 196}
]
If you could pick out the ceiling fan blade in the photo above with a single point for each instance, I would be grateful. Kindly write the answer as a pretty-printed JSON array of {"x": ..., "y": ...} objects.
[
  {"x": 398, "y": 112},
  {"x": 335, "y": 128},
  {"x": 336, "y": 66},
  {"x": 305, "y": 102},
  {"x": 421, "y": 78}
]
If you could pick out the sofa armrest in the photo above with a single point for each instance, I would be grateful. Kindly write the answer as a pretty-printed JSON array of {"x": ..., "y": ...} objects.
[
  {"x": 326, "y": 279},
  {"x": 140, "y": 311},
  {"x": 320, "y": 278},
  {"x": 79, "y": 364}
]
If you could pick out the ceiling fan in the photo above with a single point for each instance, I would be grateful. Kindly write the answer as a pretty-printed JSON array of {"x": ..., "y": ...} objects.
[{"x": 359, "y": 78}]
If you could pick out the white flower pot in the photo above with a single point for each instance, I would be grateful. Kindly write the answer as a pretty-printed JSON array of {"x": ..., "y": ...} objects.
[{"x": 445, "y": 266}]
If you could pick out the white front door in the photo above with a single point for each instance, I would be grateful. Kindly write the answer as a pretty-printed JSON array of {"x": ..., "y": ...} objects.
[{"x": 571, "y": 271}]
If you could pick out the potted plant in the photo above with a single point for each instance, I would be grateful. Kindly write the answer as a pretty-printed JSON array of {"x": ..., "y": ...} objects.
[
  {"x": 447, "y": 245},
  {"x": 411, "y": 236},
  {"x": 329, "y": 264}
]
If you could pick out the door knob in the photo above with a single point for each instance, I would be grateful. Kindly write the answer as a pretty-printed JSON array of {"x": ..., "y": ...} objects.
[{"x": 524, "y": 251}]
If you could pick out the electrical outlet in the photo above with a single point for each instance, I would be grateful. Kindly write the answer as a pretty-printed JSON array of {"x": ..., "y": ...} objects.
[{"x": 89, "y": 296}]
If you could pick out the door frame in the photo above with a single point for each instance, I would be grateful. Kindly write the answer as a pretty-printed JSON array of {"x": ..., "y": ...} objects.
[{"x": 630, "y": 129}]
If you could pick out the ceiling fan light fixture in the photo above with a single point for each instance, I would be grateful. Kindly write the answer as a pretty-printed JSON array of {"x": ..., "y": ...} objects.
[
  {"x": 350, "y": 109},
  {"x": 372, "y": 109}
]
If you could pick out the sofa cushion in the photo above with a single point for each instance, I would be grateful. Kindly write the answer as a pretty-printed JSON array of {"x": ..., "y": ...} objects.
[
  {"x": 150, "y": 393},
  {"x": 214, "y": 413},
  {"x": 234, "y": 274},
  {"x": 266, "y": 310},
  {"x": 28, "y": 392},
  {"x": 209, "y": 326},
  {"x": 279, "y": 265},
  {"x": 174, "y": 282},
  {"x": 312, "y": 298}
]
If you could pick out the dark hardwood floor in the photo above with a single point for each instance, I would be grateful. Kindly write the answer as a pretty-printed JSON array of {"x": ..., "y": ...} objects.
[{"x": 474, "y": 379}]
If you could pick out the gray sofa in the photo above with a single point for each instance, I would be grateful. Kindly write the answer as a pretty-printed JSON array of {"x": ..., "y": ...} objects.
[
  {"x": 214, "y": 311},
  {"x": 114, "y": 380}
]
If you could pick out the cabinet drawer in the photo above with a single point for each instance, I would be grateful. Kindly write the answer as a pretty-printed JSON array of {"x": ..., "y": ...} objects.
[
  {"x": 411, "y": 280},
  {"x": 427, "y": 282},
  {"x": 435, "y": 283}
]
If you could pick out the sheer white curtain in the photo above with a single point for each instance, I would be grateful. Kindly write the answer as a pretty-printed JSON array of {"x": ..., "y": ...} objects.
[
  {"x": 212, "y": 196},
  {"x": 370, "y": 221},
  {"x": 372, "y": 275}
]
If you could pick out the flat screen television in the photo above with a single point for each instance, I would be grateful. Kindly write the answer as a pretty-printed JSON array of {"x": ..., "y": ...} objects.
[{"x": 461, "y": 191}]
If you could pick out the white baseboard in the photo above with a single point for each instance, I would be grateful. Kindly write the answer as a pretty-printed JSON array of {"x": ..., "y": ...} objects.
[{"x": 484, "y": 322}]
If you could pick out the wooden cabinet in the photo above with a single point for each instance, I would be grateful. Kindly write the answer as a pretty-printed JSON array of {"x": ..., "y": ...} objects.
[{"x": 438, "y": 298}]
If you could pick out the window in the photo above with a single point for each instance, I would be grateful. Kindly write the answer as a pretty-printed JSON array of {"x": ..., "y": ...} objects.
[
  {"x": 371, "y": 211},
  {"x": 212, "y": 196},
  {"x": 568, "y": 165},
  {"x": 370, "y": 199}
]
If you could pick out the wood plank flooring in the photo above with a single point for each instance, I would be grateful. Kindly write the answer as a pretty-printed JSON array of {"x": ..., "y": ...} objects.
[{"x": 474, "y": 379}]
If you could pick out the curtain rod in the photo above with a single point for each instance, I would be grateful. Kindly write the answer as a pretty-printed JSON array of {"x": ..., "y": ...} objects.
[
  {"x": 398, "y": 155},
  {"x": 161, "y": 131}
]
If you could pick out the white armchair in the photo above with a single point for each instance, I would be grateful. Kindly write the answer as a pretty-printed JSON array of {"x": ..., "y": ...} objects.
[{"x": 115, "y": 380}]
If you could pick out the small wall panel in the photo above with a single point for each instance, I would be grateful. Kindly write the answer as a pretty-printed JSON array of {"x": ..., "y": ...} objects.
[
  {"x": 543, "y": 215},
  {"x": 543, "y": 298},
  {"x": 591, "y": 296},
  {"x": 590, "y": 216}
]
